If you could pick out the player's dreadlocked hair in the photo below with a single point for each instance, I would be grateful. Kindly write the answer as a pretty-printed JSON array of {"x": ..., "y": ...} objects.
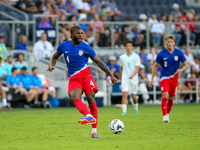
[{"x": 74, "y": 28}]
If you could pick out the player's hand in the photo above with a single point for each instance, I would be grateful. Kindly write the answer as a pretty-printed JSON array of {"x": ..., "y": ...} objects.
[
  {"x": 114, "y": 80},
  {"x": 131, "y": 77},
  {"x": 50, "y": 68},
  {"x": 179, "y": 71},
  {"x": 151, "y": 83}
]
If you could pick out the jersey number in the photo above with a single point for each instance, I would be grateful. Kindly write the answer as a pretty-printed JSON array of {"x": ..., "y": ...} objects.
[
  {"x": 91, "y": 83},
  {"x": 129, "y": 64},
  {"x": 68, "y": 59}
]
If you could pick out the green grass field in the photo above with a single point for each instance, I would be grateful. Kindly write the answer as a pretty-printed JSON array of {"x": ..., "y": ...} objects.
[{"x": 58, "y": 129}]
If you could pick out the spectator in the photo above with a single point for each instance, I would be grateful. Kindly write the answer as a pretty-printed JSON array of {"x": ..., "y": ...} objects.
[
  {"x": 99, "y": 30},
  {"x": 112, "y": 8},
  {"x": 161, "y": 26},
  {"x": 82, "y": 18},
  {"x": 113, "y": 66},
  {"x": 190, "y": 59},
  {"x": 117, "y": 29},
  {"x": 51, "y": 6},
  {"x": 87, "y": 8},
  {"x": 142, "y": 25},
  {"x": 3, "y": 48},
  {"x": 41, "y": 6},
  {"x": 45, "y": 84},
  {"x": 21, "y": 63},
  {"x": 70, "y": 8},
  {"x": 142, "y": 85},
  {"x": 9, "y": 65},
  {"x": 30, "y": 7},
  {"x": 143, "y": 55},
  {"x": 192, "y": 28},
  {"x": 44, "y": 24},
  {"x": 22, "y": 44},
  {"x": 62, "y": 5},
  {"x": 4, "y": 100},
  {"x": 13, "y": 82},
  {"x": 182, "y": 28},
  {"x": 78, "y": 4},
  {"x": 191, "y": 83},
  {"x": 155, "y": 30},
  {"x": 196, "y": 63},
  {"x": 42, "y": 48},
  {"x": 174, "y": 30},
  {"x": 2, "y": 69},
  {"x": 37, "y": 84},
  {"x": 175, "y": 12},
  {"x": 26, "y": 81},
  {"x": 21, "y": 5},
  {"x": 98, "y": 5},
  {"x": 125, "y": 30},
  {"x": 62, "y": 29},
  {"x": 181, "y": 87},
  {"x": 152, "y": 56}
]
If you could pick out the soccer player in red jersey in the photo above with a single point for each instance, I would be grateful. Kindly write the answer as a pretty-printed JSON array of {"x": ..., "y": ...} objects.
[
  {"x": 76, "y": 53},
  {"x": 169, "y": 59}
]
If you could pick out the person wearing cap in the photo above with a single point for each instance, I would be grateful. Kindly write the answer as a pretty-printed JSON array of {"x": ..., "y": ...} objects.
[
  {"x": 22, "y": 44},
  {"x": 3, "y": 48},
  {"x": 112, "y": 65},
  {"x": 82, "y": 18},
  {"x": 175, "y": 12},
  {"x": 142, "y": 24}
]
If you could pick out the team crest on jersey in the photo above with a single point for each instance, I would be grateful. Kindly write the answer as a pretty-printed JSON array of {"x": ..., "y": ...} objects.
[
  {"x": 80, "y": 52},
  {"x": 176, "y": 58}
]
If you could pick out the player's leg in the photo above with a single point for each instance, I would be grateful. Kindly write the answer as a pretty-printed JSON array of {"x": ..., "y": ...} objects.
[
  {"x": 134, "y": 88},
  {"x": 32, "y": 94},
  {"x": 4, "y": 100},
  {"x": 125, "y": 88},
  {"x": 94, "y": 111}
]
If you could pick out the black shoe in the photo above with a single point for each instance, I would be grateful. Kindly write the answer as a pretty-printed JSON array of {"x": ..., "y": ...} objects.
[{"x": 7, "y": 108}]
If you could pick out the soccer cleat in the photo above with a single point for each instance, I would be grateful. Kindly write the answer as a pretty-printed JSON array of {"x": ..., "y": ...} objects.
[
  {"x": 87, "y": 120},
  {"x": 7, "y": 108},
  {"x": 95, "y": 135},
  {"x": 123, "y": 114},
  {"x": 165, "y": 119},
  {"x": 136, "y": 113}
]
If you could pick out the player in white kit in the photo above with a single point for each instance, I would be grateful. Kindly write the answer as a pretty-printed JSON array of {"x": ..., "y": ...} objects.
[{"x": 129, "y": 67}]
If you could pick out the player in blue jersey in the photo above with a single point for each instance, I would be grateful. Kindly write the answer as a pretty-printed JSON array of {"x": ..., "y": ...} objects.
[
  {"x": 169, "y": 59},
  {"x": 76, "y": 53}
]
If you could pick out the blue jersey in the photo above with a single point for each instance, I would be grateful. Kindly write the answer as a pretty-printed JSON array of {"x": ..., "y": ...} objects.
[
  {"x": 25, "y": 80},
  {"x": 36, "y": 81},
  {"x": 13, "y": 81},
  {"x": 170, "y": 62},
  {"x": 76, "y": 57}
]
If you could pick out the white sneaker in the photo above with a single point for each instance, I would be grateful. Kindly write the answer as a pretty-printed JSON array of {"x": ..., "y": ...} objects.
[
  {"x": 165, "y": 119},
  {"x": 168, "y": 118}
]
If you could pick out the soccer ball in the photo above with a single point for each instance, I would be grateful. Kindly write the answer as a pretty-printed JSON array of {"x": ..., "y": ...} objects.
[{"x": 116, "y": 126}]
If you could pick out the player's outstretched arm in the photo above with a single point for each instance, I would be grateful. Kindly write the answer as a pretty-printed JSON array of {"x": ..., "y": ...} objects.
[
  {"x": 53, "y": 62},
  {"x": 153, "y": 73},
  {"x": 103, "y": 66}
]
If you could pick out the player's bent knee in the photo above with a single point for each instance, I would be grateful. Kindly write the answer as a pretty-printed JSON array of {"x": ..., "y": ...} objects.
[{"x": 165, "y": 95}]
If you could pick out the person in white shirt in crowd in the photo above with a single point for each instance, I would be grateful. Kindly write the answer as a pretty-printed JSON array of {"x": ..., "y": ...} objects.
[
  {"x": 175, "y": 12},
  {"x": 152, "y": 56},
  {"x": 128, "y": 75},
  {"x": 142, "y": 25},
  {"x": 190, "y": 60},
  {"x": 155, "y": 30},
  {"x": 43, "y": 48},
  {"x": 87, "y": 9},
  {"x": 21, "y": 63}
]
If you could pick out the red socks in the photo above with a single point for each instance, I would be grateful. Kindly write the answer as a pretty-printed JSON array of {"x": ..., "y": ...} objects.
[
  {"x": 94, "y": 112},
  {"x": 164, "y": 106},
  {"x": 169, "y": 106},
  {"x": 82, "y": 108}
]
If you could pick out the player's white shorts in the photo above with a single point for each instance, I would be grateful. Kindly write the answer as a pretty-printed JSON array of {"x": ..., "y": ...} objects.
[{"x": 128, "y": 86}]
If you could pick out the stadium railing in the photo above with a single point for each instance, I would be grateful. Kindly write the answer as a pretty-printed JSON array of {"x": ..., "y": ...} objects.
[{"x": 57, "y": 23}]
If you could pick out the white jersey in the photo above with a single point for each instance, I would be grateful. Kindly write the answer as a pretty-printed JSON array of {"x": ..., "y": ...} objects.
[{"x": 129, "y": 63}]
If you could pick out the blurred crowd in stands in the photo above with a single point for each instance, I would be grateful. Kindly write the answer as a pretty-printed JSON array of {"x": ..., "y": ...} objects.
[{"x": 102, "y": 11}]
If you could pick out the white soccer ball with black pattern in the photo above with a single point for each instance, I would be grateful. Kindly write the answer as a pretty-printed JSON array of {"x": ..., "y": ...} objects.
[{"x": 116, "y": 126}]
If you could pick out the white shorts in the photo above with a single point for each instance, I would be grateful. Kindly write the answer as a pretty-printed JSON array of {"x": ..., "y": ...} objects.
[{"x": 128, "y": 86}]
